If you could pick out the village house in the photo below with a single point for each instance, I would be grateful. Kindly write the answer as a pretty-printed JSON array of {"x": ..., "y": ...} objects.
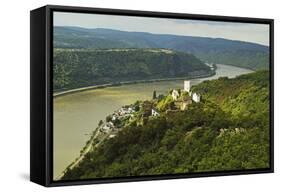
[
  {"x": 154, "y": 112},
  {"x": 175, "y": 94},
  {"x": 107, "y": 126},
  {"x": 196, "y": 97},
  {"x": 112, "y": 136},
  {"x": 114, "y": 117}
]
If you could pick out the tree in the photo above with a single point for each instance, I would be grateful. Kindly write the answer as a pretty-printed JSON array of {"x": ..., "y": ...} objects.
[
  {"x": 108, "y": 118},
  {"x": 100, "y": 122},
  {"x": 154, "y": 95}
]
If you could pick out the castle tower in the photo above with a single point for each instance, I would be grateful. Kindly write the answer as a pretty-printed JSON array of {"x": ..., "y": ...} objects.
[{"x": 187, "y": 86}]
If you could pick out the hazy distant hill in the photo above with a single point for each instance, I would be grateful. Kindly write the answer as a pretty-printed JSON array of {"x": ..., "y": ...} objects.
[
  {"x": 74, "y": 68},
  {"x": 217, "y": 50}
]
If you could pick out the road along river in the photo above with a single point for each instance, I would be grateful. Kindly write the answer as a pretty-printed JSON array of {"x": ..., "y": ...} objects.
[{"x": 76, "y": 115}]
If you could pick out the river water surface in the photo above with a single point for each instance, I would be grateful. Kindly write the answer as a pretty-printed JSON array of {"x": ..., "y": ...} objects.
[{"x": 77, "y": 115}]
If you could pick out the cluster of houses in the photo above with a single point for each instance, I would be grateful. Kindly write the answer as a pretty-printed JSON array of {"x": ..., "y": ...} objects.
[
  {"x": 181, "y": 100},
  {"x": 126, "y": 111},
  {"x": 105, "y": 127},
  {"x": 110, "y": 124}
]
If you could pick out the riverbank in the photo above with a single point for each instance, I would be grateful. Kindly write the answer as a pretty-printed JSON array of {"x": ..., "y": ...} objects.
[
  {"x": 78, "y": 114},
  {"x": 243, "y": 67},
  {"x": 62, "y": 93}
]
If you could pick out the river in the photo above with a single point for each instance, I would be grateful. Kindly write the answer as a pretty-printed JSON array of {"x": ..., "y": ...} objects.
[{"x": 77, "y": 115}]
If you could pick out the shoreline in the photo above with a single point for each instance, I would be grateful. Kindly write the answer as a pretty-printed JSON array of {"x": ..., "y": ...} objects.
[
  {"x": 71, "y": 91},
  {"x": 232, "y": 65},
  {"x": 79, "y": 158}
]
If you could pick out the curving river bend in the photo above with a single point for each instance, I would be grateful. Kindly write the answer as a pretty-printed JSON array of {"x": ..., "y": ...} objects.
[{"x": 77, "y": 115}]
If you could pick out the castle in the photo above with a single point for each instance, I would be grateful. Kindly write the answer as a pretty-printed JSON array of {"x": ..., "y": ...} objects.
[{"x": 186, "y": 88}]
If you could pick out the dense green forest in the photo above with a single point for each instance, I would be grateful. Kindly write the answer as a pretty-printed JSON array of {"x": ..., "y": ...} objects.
[
  {"x": 75, "y": 68},
  {"x": 212, "y": 50},
  {"x": 227, "y": 130}
]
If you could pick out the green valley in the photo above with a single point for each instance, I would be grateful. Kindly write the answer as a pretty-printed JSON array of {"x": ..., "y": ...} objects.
[{"x": 218, "y": 125}]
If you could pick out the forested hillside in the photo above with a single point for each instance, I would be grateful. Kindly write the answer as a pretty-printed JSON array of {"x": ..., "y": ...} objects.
[
  {"x": 227, "y": 130},
  {"x": 74, "y": 68},
  {"x": 212, "y": 50}
]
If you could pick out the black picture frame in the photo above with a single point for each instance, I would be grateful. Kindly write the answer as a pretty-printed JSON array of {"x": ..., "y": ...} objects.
[{"x": 41, "y": 96}]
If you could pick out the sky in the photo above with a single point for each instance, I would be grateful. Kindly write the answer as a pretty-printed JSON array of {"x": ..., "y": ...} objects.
[{"x": 255, "y": 33}]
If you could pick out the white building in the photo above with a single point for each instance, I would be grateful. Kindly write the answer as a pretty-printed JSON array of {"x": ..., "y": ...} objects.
[
  {"x": 110, "y": 124},
  {"x": 112, "y": 136},
  {"x": 196, "y": 97},
  {"x": 107, "y": 126},
  {"x": 154, "y": 112},
  {"x": 114, "y": 117},
  {"x": 175, "y": 94},
  {"x": 187, "y": 86}
]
